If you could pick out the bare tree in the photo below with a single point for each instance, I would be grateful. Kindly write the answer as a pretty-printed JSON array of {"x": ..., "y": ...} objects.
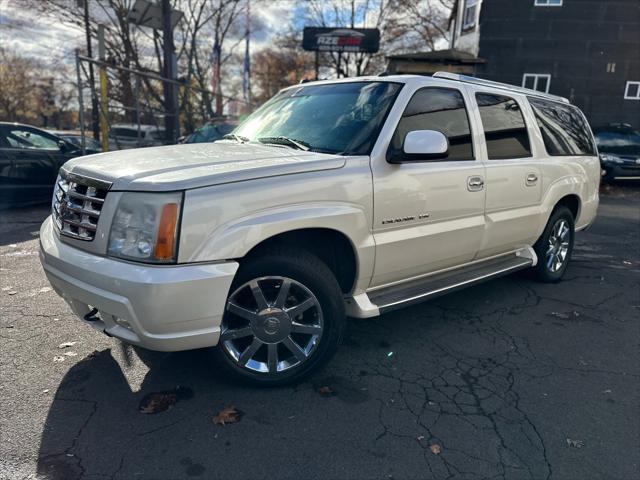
[
  {"x": 215, "y": 22},
  {"x": 419, "y": 24},
  {"x": 140, "y": 48},
  {"x": 281, "y": 65},
  {"x": 404, "y": 25},
  {"x": 29, "y": 96}
]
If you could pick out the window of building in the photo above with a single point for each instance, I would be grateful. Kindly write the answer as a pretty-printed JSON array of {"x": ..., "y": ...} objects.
[
  {"x": 537, "y": 81},
  {"x": 440, "y": 109},
  {"x": 632, "y": 91},
  {"x": 469, "y": 14},
  {"x": 563, "y": 128},
  {"x": 504, "y": 129},
  {"x": 548, "y": 3}
]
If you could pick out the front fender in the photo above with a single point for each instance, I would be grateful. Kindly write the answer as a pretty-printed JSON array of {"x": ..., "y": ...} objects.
[{"x": 234, "y": 239}]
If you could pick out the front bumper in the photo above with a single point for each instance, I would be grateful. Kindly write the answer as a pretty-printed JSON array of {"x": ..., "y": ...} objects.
[
  {"x": 621, "y": 171},
  {"x": 166, "y": 308}
]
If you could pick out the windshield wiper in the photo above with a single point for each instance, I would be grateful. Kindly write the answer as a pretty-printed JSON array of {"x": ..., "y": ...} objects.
[
  {"x": 281, "y": 140},
  {"x": 237, "y": 138}
]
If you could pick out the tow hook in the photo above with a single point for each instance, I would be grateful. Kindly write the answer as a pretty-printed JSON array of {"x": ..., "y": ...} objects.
[{"x": 92, "y": 316}]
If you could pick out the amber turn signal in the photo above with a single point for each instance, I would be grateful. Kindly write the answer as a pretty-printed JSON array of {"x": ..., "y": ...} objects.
[{"x": 166, "y": 241}]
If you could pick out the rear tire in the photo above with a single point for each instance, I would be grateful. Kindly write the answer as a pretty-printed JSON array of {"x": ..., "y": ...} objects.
[
  {"x": 555, "y": 246},
  {"x": 284, "y": 318}
]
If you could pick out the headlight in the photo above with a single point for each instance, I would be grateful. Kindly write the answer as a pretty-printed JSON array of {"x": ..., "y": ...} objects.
[
  {"x": 145, "y": 227},
  {"x": 608, "y": 158}
]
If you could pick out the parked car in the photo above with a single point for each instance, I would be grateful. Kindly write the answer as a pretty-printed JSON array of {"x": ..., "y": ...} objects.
[
  {"x": 211, "y": 132},
  {"x": 29, "y": 162},
  {"x": 347, "y": 197},
  {"x": 91, "y": 145},
  {"x": 128, "y": 135},
  {"x": 619, "y": 148}
]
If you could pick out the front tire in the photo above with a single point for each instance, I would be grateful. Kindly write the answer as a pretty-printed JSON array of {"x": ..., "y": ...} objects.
[
  {"x": 284, "y": 318},
  {"x": 555, "y": 246}
]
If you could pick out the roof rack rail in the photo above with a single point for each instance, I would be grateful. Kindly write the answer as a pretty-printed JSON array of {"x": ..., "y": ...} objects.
[{"x": 491, "y": 83}]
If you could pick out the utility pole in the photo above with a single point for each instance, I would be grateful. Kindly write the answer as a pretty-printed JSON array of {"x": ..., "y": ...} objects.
[
  {"x": 95, "y": 116},
  {"x": 104, "y": 99},
  {"x": 171, "y": 120}
]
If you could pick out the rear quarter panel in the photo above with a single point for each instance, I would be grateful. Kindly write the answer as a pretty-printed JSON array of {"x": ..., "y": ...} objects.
[{"x": 566, "y": 175}]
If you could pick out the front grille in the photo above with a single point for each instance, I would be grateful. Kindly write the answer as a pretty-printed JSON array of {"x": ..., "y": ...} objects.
[{"x": 77, "y": 203}]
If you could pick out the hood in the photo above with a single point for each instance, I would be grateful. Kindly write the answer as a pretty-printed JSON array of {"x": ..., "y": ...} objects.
[{"x": 181, "y": 167}]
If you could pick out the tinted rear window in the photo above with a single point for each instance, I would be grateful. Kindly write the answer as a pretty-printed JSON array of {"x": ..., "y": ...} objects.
[
  {"x": 563, "y": 128},
  {"x": 504, "y": 129}
]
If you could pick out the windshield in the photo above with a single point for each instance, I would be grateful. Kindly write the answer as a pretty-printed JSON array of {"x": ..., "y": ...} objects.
[
  {"x": 619, "y": 143},
  {"x": 342, "y": 118}
]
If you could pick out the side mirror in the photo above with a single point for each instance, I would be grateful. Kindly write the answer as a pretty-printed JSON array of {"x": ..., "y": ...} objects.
[
  {"x": 422, "y": 145},
  {"x": 426, "y": 143},
  {"x": 63, "y": 146}
]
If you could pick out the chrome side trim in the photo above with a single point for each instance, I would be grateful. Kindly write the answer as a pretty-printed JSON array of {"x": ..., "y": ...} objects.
[
  {"x": 455, "y": 286},
  {"x": 449, "y": 269}
]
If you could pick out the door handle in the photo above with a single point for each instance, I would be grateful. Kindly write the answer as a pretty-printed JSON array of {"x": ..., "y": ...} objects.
[
  {"x": 475, "y": 184},
  {"x": 531, "y": 180}
]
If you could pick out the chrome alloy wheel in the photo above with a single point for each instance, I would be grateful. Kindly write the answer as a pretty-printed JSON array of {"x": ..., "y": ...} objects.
[
  {"x": 558, "y": 245},
  {"x": 271, "y": 324}
]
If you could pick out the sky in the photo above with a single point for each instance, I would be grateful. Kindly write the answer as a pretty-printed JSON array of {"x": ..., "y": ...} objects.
[{"x": 46, "y": 39}]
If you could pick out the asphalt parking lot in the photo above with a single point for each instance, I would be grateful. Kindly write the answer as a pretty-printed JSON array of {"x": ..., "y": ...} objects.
[{"x": 510, "y": 379}]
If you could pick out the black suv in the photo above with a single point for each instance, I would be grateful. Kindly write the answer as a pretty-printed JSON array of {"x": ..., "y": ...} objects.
[
  {"x": 29, "y": 163},
  {"x": 619, "y": 148}
]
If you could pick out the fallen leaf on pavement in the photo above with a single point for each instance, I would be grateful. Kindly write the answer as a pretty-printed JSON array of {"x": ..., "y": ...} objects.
[
  {"x": 58, "y": 358},
  {"x": 66, "y": 344},
  {"x": 227, "y": 415},
  {"x": 575, "y": 443},
  {"x": 435, "y": 449},
  {"x": 158, "y": 402},
  {"x": 162, "y": 401},
  {"x": 326, "y": 391}
]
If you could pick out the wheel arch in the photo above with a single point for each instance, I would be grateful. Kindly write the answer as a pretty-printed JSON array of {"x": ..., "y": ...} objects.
[
  {"x": 572, "y": 202},
  {"x": 331, "y": 246},
  {"x": 569, "y": 190}
]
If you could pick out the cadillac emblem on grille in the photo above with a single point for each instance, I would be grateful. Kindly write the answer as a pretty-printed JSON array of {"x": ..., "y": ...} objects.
[{"x": 77, "y": 203}]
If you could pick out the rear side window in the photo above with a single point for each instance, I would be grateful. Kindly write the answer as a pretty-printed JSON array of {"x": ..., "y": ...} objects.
[
  {"x": 563, "y": 129},
  {"x": 440, "y": 109},
  {"x": 504, "y": 129}
]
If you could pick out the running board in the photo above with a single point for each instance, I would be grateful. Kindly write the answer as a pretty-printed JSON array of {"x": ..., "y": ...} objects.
[{"x": 433, "y": 286}]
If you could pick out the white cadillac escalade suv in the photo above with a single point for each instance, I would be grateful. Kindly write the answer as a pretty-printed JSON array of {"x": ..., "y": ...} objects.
[{"x": 336, "y": 198}]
